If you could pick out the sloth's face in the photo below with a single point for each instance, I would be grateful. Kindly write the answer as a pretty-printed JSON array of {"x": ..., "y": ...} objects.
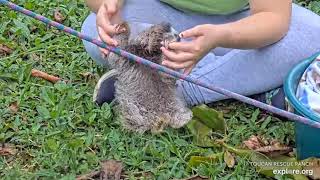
[{"x": 148, "y": 43}]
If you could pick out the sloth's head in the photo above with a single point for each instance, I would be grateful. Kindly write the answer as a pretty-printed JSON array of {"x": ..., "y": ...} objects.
[{"x": 147, "y": 44}]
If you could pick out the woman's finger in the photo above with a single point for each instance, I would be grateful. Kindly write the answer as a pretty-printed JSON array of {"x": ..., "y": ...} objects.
[
  {"x": 176, "y": 56},
  {"x": 104, "y": 51},
  {"x": 104, "y": 23},
  {"x": 188, "y": 69},
  {"x": 182, "y": 46},
  {"x": 106, "y": 38},
  {"x": 191, "y": 32},
  {"x": 111, "y": 7},
  {"x": 175, "y": 65},
  {"x": 107, "y": 27}
]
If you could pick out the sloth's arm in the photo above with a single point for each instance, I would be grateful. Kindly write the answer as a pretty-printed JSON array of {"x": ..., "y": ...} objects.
[
  {"x": 123, "y": 33},
  {"x": 123, "y": 39}
]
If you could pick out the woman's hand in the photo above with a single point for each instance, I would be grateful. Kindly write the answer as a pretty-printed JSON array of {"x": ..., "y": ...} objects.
[
  {"x": 108, "y": 16},
  {"x": 184, "y": 55}
]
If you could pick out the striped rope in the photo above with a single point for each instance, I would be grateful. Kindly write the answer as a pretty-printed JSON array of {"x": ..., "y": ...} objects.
[{"x": 134, "y": 58}]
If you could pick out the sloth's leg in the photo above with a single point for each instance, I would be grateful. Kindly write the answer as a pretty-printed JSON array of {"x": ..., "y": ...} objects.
[
  {"x": 160, "y": 123},
  {"x": 181, "y": 117},
  {"x": 132, "y": 117},
  {"x": 122, "y": 37},
  {"x": 181, "y": 114}
]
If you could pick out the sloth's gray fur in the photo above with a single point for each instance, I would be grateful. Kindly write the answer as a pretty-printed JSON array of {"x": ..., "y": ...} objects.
[{"x": 146, "y": 100}]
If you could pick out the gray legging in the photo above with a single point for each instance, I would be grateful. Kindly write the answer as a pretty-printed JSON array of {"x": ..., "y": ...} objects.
[{"x": 246, "y": 72}]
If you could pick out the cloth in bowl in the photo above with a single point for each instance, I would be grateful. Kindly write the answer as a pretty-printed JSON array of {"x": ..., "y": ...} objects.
[{"x": 308, "y": 91}]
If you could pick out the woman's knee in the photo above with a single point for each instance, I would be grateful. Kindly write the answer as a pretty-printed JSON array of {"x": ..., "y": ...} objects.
[
  {"x": 304, "y": 27},
  {"x": 304, "y": 16},
  {"x": 304, "y": 31},
  {"x": 302, "y": 38}
]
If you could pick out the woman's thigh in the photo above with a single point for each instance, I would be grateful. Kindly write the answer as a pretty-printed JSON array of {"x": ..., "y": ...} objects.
[{"x": 250, "y": 72}]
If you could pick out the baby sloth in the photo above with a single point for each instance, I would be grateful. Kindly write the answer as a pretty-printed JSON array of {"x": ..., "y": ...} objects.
[{"x": 146, "y": 99}]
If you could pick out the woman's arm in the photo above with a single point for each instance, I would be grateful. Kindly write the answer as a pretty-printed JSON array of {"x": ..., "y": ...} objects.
[
  {"x": 94, "y": 5},
  {"x": 268, "y": 23}
]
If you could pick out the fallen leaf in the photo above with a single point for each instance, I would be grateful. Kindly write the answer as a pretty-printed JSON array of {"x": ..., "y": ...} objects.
[
  {"x": 14, "y": 107},
  {"x": 33, "y": 29},
  {"x": 195, "y": 161},
  {"x": 89, "y": 76},
  {"x": 7, "y": 150},
  {"x": 253, "y": 142},
  {"x": 237, "y": 151},
  {"x": 273, "y": 151},
  {"x": 205, "y": 121},
  {"x": 34, "y": 57},
  {"x": 45, "y": 76},
  {"x": 201, "y": 133},
  {"x": 111, "y": 170},
  {"x": 270, "y": 148},
  {"x": 292, "y": 153},
  {"x": 210, "y": 117},
  {"x": 57, "y": 15},
  {"x": 147, "y": 175},
  {"x": 5, "y": 50},
  {"x": 229, "y": 159}
]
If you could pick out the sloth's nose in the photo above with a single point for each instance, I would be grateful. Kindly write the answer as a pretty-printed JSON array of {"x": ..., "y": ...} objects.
[
  {"x": 175, "y": 34},
  {"x": 177, "y": 37}
]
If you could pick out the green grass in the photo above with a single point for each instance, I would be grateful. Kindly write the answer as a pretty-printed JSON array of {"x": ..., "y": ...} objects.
[{"x": 60, "y": 133}]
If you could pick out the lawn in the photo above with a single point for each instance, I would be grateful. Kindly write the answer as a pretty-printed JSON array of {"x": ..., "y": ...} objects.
[{"x": 59, "y": 133}]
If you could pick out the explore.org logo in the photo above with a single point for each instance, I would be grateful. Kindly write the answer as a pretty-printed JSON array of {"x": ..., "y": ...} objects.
[{"x": 284, "y": 168}]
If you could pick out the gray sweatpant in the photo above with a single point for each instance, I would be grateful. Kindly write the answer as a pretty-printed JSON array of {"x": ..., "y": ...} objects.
[{"x": 246, "y": 72}]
